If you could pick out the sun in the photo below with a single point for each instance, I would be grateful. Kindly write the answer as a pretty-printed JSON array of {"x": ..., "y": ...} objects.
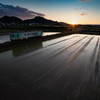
[{"x": 73, "y": 23}]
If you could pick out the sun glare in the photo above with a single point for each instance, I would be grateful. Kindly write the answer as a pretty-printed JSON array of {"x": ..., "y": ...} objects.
[{"x": 73, "y": 23}]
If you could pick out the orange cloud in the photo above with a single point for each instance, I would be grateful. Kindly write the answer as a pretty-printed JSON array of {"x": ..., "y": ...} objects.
[
  {"x": 84, "y": 0},
  {"x": 84, "y": 13},
  {"x": 75, "y": 9},
  {"x": 80, "y": 8}
]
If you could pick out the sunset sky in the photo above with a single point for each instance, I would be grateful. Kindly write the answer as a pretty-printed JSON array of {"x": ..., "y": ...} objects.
[{"x": 78, "y": 11}]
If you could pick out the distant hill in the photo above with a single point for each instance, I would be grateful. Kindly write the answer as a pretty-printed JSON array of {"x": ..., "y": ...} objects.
[
  {"x": 38, "y": 20},
  {"x": 7, "y": 19}
]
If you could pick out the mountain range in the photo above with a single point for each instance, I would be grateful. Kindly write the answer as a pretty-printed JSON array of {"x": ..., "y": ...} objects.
[{"x": 37, "y": 19}]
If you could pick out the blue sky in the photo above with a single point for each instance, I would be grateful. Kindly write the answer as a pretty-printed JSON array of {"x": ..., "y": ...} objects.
[{"x": 79, "y": 11}]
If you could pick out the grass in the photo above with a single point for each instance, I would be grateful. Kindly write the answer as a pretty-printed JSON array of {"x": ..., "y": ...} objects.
[
  {"x": 44, "y": 28},
  {"x": 51, "y": 28}
]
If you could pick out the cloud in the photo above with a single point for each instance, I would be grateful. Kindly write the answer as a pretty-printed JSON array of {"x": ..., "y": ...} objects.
[
  {"x": 84, "y": 13},
  {"x": 84, "y": 0},
  {"x": 18, "y": 11},
  {"x": 76, "y": 9},
  {"x": 80, "y": 8}
]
